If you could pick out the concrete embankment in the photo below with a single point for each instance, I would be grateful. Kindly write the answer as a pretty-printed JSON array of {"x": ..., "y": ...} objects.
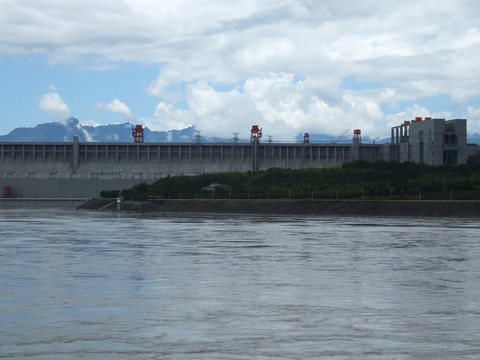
[
  {"x": 295, "y": 207},
  {"x": 35, "y": 203}
]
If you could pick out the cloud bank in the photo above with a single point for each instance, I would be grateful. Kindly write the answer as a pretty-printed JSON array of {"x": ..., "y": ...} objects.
[{"x": 289, "y": 65}]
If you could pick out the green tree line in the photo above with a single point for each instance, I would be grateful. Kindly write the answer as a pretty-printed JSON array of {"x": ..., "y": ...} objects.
[{"x": 354, "y": 180}]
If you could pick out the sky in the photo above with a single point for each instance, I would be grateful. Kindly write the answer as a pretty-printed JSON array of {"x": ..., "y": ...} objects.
[{"x": 289, "y": 66}]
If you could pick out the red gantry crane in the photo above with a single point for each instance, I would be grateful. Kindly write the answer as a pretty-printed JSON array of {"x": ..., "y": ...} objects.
[
  {"x": 256, "y": 134},
  {"x": 306, "y": 138},
  {"x": 357, "y": 135},
  {"x": 137, "y": 133}
]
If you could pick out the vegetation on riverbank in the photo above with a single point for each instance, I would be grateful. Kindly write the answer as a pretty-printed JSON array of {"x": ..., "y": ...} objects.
[{"x": 354, "y": 180}]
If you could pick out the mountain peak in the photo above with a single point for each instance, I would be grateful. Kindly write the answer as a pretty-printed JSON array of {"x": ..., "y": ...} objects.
[{"x": 71, "y": 122}]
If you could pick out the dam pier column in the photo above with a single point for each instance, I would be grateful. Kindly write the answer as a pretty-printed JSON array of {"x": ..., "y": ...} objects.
[
  {"x": 255, "y": 136},
  {"x": 356, "y": 141},
  {"x": 255, "y": 155},
  {"x": 75, "y": 151}
]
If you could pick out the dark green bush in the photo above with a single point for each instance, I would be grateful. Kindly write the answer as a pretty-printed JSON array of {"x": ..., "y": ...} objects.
[{"x": 355, "y": 180}]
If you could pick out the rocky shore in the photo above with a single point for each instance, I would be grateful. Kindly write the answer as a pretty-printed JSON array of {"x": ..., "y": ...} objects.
[{"x": 415, "y": 208}]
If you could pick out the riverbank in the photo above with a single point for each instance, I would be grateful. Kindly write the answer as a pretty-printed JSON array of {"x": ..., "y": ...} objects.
[
  {"x": 415, "y": 208},
  {"x": 39, "y": 203}
]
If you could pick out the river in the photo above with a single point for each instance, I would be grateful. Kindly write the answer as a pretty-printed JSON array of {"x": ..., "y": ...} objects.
[{"x": 80, "y": 284}]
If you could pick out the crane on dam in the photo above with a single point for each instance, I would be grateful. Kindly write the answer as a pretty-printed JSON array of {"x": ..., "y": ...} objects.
[
  {"x": 256, "y": 134},
  {"x": 137, "y": 133},
  {"x": 340, "y": 137}
]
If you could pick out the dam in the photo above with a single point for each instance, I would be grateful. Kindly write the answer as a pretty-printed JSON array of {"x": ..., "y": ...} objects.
[{"x": 83, "y": 169}]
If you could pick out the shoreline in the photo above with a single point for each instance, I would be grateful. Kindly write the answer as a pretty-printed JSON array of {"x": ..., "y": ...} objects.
[
  {"x": 407, "y": 208},
  {"x": 41, "y": 203}
]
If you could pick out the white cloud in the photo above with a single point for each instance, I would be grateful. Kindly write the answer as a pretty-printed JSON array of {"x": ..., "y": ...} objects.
[
  {"x": 116, "y": 106},
  {"x": 53, "y": 103},
  {"x": 280, "y": 105},
  {"x": 220, "y": 113},
  {"x": 167, "y": 117}
]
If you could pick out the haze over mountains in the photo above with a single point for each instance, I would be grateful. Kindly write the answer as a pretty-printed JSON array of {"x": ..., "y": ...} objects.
[{"x": 66, "y": 130}]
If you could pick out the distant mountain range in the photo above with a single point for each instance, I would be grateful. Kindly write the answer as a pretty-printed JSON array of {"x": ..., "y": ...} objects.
[{"x": 65, "y": 131}]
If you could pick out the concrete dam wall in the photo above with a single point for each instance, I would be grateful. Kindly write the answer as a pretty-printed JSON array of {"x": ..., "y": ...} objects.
[{"x": 74, "y": 169}]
